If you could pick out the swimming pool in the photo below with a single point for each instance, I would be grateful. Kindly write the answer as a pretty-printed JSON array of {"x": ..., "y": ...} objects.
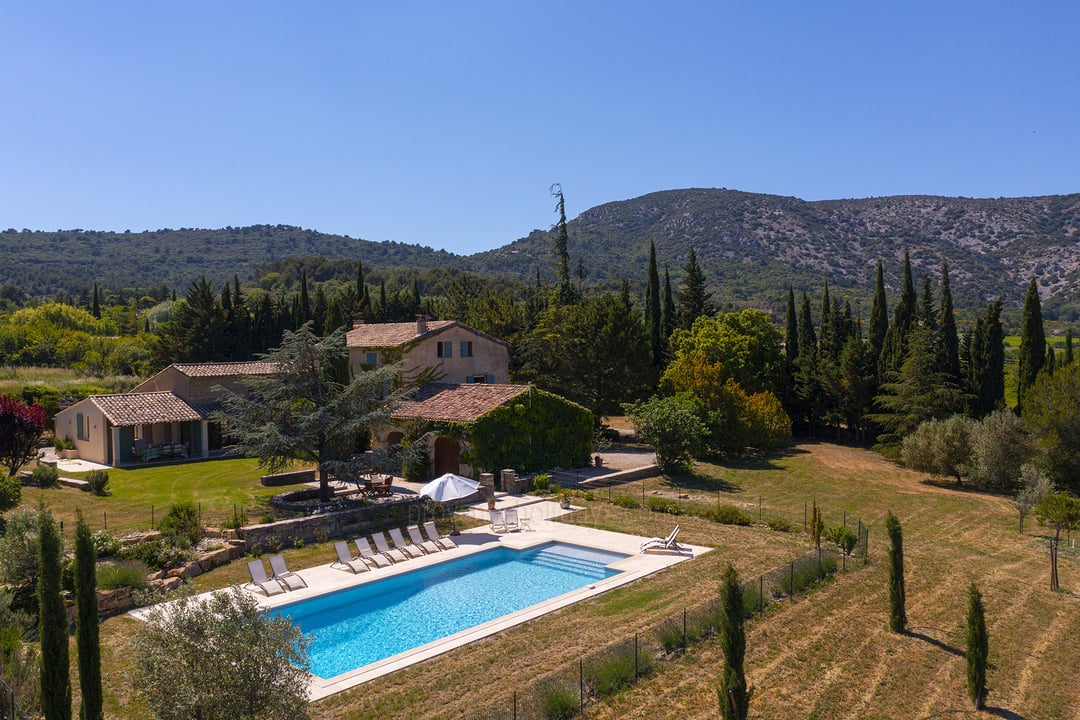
[{"x": 377, "y": 620}]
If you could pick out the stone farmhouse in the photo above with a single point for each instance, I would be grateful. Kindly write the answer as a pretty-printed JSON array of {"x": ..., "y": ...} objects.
[{"x": 461, "y": 374}]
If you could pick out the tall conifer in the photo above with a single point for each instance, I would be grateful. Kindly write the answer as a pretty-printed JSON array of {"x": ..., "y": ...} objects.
[
  {"x": 892, "y": 357},
  {"x": 652, "y": 308},
  {"x": 86, "y": 622},
  {"x": 949, "y": 343},
  {"x": 734, "y": 695},
  {"x": 52, "y": 623},
  {"x": 897, "y": 611},
  {"x": 693, "y": 299},
  {"x": 977, "y": 648},
  {"x": 879, "y": 319},
  {"x": 1032, "y": 354},
  {"x": 668, "y": 314},
  {"x": 564, "y": 293},
  {"x": 95, "y": 309},
  {"x": 1068, "y": 346},
  {"x": 791, "y": 337}
]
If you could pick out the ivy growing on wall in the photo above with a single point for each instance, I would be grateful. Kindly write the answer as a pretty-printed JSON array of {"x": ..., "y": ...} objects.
[{"x": 534, "y": 431}]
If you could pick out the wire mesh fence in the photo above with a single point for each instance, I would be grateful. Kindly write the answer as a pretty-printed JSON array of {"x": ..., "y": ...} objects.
[{"x": 618, "y": 666}]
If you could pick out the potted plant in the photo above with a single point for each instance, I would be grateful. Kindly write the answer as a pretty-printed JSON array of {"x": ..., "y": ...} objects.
[{"x": 564, "y": 498}]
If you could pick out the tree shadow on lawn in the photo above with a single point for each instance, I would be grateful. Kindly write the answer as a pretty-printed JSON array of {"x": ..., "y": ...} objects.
[
  {"x": 762, "y": 460},
  {"x": 936, "y": 643}
]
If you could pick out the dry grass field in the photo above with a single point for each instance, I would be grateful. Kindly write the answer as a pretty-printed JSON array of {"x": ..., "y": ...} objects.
[{"x": 825, "y": 655}]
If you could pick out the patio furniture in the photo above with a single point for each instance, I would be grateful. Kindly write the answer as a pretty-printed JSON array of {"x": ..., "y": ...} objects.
[
  {"x": 370, "y": 556},
  {"x": 446, "y": 543},
  {"x": 525, "y": 520},
  {"x": 429, "y": 546},
  {"x": 261, "y": 580},
  {"x": 286, "y": 577},
  {"x": 667, "y": 543},
  {"x": 510, "y": 519},
  {"x": 497, "y": 520},
  {"x": 382, "y": 546},
  {"x": 345, "y": 560},
  {"x": 413, "y": 551}
]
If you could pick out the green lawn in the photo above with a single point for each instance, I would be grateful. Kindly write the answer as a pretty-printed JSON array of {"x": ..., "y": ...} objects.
[{"x": 138, "y": 497}]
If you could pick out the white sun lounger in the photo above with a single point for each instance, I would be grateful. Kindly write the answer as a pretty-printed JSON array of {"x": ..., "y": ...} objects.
[
  {"x": 370, "y": 556},
  {"x": 382, "y": 546},
  {"x": 443, "y": 541},
  {"x": 413, "y": 551},
  {"x": 510, "y": 519},
  {"x": 345, "y": 560},
  {"x": 667, "y": 543},
  {"x": 283, "y": 575},
  {"x": 261, "y": 580},
  {"x": 429, "y": 546},
  {"x": 497, "y": 519}
]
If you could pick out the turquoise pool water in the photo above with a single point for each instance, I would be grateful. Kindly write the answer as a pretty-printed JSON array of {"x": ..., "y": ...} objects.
[{"x": 371, "y": 622}]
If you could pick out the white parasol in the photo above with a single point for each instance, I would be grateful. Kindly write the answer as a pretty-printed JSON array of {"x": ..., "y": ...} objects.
[{"x": 447, "y": 488}]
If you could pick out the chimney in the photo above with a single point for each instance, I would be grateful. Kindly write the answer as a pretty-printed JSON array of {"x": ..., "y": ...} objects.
[{"x": 421, "y": 324}]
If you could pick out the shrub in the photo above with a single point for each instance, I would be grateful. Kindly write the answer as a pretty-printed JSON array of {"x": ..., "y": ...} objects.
[
  {"x": 182, "y": 520},
  {"x": 843, "y": 537},
  {"x": 541, "y": 482},
  {"x": 10, "y": 492},
  {"x": 46, "y": 476},
  {"x": 670, "y": 635},
  {"x": 626, "y": 501},
  {"x": 664, "y": 505},
  {"x": 63, "y": 444},
  {"x": 611, "y": 672},
  {"x": 125, "y": 573},
  {"x": 780, "y": 525},
  {"x": 105, "y": 543},
  {"x": 19, "y": 549},
  {"x": 98, "y": 481},
  {"x": 238, "y": 519},
  {"x": 728, "y": 515},
  {"x": 559, "y": 700},
  {"x": 160, "y": 553}
]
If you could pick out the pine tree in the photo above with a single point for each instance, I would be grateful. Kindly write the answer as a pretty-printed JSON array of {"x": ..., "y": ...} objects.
[
  {"x": 52, "y": 623},
  {"x": 652, "y": 308},
  {"x": 733, "y": 693},
  {"x": 86, "y": 622},
  {"x": 977, "y": 648},
  {"x": 948, "y": 339},
  {"x": 897, "y": 613},
  {"x": 1032, "y": 354}
]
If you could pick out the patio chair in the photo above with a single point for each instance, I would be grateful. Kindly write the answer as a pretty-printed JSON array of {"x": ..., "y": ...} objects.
[
  {"x": 525, "y": 520},
  {"x": 285, "y": 576},
  {"x": 510, "y": 519},
  {"x": 382, "y": 546},
  {"x": 429, "y": 546},
  {"x": 413, "y": 551},
  {"x": 261, "y": 580},
  {"x": 370, "y": 556},
  {"x": 667, "y": 543},
  {"x": 446, "y": 543},
  {"x": 345, "y": 560},
  {"x": 497, "y": 519}
]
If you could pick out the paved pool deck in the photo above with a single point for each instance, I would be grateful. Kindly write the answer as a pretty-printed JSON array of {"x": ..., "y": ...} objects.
[{"x": 539, "y": 513}]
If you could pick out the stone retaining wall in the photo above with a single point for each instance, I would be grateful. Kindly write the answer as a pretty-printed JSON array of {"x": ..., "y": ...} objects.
[
  {"x": 615, "y": 478},
  {"x": 294, "y": 477},
  {"x": 346, "y": 523}
]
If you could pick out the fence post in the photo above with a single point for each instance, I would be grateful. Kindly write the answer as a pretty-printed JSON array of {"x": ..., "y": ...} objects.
[
  {"x": 760, "y": 511},
  {"x": 684, "y": 628},
  {"x": 792, "y": 580},
  {"x": 761, "y": 594},
  {"x": 635, "y": 657},
  {"x": 819, "y": 564},
  {"x": 804, "y": 515},
  {"x": 581, "y": 684},
  {"x": 151, "y": 517}
]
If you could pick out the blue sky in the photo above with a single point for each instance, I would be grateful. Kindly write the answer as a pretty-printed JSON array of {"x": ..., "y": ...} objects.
[{"x": 444, "y": 124}]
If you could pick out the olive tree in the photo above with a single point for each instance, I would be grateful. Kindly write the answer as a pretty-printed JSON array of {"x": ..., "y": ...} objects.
[
  {"x": 671, "y": 427},
  {"x": 220, "y": 659},
  {"x": 942, "y": 447}
]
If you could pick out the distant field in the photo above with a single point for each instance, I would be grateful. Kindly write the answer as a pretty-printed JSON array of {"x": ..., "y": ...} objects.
[
  {"x": 14, "y": 379},
  {"x": 827, "y": 655}
]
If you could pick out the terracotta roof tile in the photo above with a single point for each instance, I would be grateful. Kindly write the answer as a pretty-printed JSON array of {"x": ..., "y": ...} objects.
[
  {"x": 457, "y": 403},
  {"x": 226, "y": 369},
  {"x": 382, "y": 335},
  {"x": 144, "y": 408}
]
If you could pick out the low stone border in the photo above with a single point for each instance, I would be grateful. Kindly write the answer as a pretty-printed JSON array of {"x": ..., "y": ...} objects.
[{"x": 293, "y": 477}]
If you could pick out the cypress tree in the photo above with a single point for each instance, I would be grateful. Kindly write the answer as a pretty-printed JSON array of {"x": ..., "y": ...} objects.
[
  {"x": 1032, "y": 354},
  {"x": 1068, "y": 347},
  {"x": 652, "y": 308},
  {"x": 95, "y": 309},
  {"x": 977, "y": 648},
  {"x": 564, "y": 294},
  {"x": 897, "y": 613},
  {"x": 693, "y": 299},
  {"x": 791, "y": 337},
  {"x": 807, "y": 336},
  {"x": 927, "y": 314},
  {"x": 305, "y": 299},
  {"x": 668, "y": 315},
  {"x": 826, "y": 327},
  {"x": 86, "y": 622},
  {"x": 949, "y": 340},
  {"x": 1051, "y": 358},
  {"x": 52, "y": 623},
  {"x": 879, "y": 318},
  {"x": 733, "y": 693},
  {"x": 892, "y": 356}
]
